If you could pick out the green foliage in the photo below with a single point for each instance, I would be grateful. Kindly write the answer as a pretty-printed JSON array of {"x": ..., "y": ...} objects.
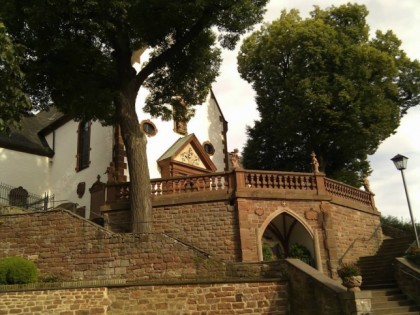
[
  {"x": 398, "y": 224},
  {"x": 78, "y": 54},
  {"x": 267, "y": 252},
  {"x": 13, "y": 101},
  {"x": 348, "y": 270},
  {"x": 17, "y": 270},
  {"x": 301, "y": 252},
  {"x": 49, "y": 278},
  {"x": 322, "y": 85}
]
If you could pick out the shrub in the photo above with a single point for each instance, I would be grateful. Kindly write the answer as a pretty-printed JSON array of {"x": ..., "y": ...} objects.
[
  {"x": 301, "y": 252},
  {"x": 348, "y": 270},
  {"x": 267, "y": 252},
  {"x": 48, "y": 278},
  {"x": 17, "y": 270}
]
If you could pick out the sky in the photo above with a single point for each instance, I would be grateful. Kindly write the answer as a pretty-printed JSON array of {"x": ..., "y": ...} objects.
[{"x": 236, "y": 98}]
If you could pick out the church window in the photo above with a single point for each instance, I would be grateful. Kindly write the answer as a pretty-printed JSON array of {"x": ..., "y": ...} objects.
[
  {"x": 83, "y": 145},
  {"x": 148, "y": 128},
  {"x": 208, "y": 147}
]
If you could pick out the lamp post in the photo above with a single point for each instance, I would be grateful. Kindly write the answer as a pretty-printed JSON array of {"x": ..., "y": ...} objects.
[{"x": 400, "y": 162}]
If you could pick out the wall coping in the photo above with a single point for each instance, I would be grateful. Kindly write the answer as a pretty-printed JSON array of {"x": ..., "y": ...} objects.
[
  {"x": 319, "y": 277},
  {"x": 404, "y": 261},
  {"x": 83, "y": 284}
]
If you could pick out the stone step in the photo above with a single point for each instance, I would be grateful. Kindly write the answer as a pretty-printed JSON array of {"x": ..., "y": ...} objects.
[
  {"x": 392, "y": 301},
  {"x": 410, "y": 310}
]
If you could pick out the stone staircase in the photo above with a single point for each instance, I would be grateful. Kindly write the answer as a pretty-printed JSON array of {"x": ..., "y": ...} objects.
[
  {"x": 378, "y": 276},
  {"x": 392, "y": 301}
]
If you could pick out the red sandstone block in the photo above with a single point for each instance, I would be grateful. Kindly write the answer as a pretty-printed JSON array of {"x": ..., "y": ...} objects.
[
  {"x": 224, "y": 306},
  {"x": 161, "y": 306},
  {"x": 97, "y": 310}
]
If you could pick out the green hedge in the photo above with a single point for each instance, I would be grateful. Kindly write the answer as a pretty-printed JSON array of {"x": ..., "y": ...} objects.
[{"x": 17, "y": 270}]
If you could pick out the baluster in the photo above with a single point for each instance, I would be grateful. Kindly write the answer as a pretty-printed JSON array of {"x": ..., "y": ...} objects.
[
  {"x": 226, "y": 182},
  {"x": 194, "y": 182},
  {"x": 207, "y": 182},
  {"x": 159, "y": 187},
  {"x": 219, "y": 182},
  {"x": 175, "y": 188},
  {"x": 294, "y": 182},
  {"x": 272, "y": 181},
  {"x": 152, "y": 188},
  {"x": 260, "y": 180},
  {"x": 213, "y": 183},
  {"x": 250, "y": 184}
]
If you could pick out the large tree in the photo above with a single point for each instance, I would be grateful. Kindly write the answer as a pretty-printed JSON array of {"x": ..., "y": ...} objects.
[
  {"x": 13, "y": 101},
  {"x": 78, "y": 56},
  {"x": 323, "y": 85}
]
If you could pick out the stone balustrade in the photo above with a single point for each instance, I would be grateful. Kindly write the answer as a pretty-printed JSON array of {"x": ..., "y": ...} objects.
[{"x": 246, "y": 180}]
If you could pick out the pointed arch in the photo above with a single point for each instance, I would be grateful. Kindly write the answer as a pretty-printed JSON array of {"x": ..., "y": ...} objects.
[{"x": 284, "y": 231}]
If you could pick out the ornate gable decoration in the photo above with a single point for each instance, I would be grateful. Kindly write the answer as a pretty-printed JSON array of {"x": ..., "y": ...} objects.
[
  {"x": 189, "y": 156},
  {"x": 185, "y": 157}
]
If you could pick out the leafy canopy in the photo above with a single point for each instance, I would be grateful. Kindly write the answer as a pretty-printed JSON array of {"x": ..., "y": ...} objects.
[
  {"x": 13, "y": 102},
  {"x": 322, "y": 85},
  {"x": 78, "y": 53}
]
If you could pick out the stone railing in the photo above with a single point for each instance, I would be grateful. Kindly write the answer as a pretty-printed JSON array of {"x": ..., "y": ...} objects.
[
  {"x": 186, "y": 184},
  {"x": 347, "y": 192},
  {"x": 278, "y": 180},
  {"x": 245, "y": 180}
]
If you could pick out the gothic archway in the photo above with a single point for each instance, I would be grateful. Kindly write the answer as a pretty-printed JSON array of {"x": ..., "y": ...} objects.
[{"x": 285, "y": 235}]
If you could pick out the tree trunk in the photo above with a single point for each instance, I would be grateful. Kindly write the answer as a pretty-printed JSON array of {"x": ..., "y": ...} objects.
[{"x": 135, "y": 147}]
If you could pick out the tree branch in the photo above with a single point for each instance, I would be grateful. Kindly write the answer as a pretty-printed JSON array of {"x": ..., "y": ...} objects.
[{"x": 180, "y": 43}]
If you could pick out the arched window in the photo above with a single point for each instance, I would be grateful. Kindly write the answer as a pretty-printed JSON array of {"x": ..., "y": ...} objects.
[{"x": 83, "y": 145}]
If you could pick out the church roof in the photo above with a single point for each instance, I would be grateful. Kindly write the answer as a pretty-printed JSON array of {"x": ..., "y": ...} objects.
[
  {"x": 176, "y": 147},
  {"x": 31, "y": 137}
]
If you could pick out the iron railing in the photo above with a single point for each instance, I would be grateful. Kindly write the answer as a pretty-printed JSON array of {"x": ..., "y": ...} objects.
[{"x": 20, "y": 197}]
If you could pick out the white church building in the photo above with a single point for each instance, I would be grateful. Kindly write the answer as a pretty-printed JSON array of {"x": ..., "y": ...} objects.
[{"x": 56, "y": 155}]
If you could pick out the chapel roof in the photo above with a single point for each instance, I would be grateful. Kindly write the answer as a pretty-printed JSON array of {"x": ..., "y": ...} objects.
[{"x": 30, "y": 138}]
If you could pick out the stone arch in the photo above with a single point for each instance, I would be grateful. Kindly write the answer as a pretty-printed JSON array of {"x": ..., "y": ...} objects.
[{"x": 296, "y": 230}]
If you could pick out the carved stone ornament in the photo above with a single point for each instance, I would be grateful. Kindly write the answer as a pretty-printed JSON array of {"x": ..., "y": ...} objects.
[
  {"x": 311, "y": 215},
  {"x": 81, "y": 187},
  {"x": 314, "y": 162},
  {"x": 259, "y": 212},
  {"x": 190, "y": 157}
]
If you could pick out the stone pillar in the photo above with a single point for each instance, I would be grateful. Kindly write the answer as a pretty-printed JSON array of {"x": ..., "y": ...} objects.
[
  {"x": 356, "y": 303},
  {"x": 247, "y": 233}
]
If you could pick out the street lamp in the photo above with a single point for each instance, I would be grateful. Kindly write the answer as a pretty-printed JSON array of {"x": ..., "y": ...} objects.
[{"x": 400, "y": 162}]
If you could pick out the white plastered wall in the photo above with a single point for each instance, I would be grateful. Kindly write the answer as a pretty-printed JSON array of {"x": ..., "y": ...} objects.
[
  {"x": 64, "y": 178},
  {"x": 205, "y": 124}
]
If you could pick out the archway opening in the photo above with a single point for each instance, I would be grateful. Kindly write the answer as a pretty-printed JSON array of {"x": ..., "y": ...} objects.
[{"x": 286, "y": 237}]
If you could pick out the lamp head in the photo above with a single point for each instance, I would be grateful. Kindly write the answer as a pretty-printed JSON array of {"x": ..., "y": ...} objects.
[{"x": 400, "y": 162}]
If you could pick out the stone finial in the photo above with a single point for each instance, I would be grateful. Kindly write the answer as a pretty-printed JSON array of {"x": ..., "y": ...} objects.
[
  {"x": 234, "y": 158},
  {"x": 314, "y": 163}
]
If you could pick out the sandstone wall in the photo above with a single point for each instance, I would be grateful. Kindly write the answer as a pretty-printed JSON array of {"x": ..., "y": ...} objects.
[
  {"x": 63, "y": 244},
  {"x": 210, "y": 226},
  {"x": 343, "y": 233},
  {"x": 195, "y": 299},
  {"x": 80, "y": 301}
]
